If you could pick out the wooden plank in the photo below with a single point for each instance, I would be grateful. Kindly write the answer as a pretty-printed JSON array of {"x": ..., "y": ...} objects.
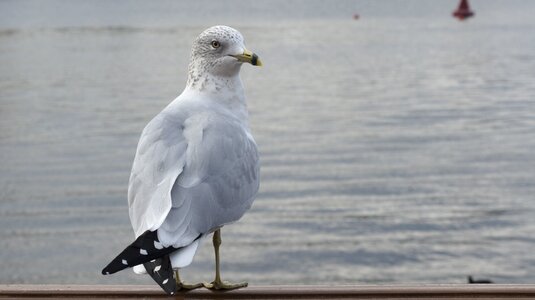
[{"x": 486, "y": 291}]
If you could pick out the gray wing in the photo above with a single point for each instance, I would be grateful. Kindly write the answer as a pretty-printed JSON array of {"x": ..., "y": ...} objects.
[
  {"x": 160, "y": 159},
  {"x": 219, "y": 181}
]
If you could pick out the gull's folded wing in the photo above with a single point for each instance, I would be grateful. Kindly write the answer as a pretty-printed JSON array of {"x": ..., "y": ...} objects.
[
  {"x": 219, "y": 180},
  {"x": 160, "y": 158}
]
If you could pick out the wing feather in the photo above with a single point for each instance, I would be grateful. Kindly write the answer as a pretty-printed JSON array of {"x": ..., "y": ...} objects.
[
  {"x": 219, "y": 180},
  {"x": 160, "y": 159}
]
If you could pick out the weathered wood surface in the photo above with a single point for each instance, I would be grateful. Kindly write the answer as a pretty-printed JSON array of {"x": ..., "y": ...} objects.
[{"x": 487, "y": 291}]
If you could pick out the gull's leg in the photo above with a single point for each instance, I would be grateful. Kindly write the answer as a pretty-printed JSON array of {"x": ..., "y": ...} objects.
[
  {"x": 184, "y": 286},
  {"x": 218, "y": 284}
]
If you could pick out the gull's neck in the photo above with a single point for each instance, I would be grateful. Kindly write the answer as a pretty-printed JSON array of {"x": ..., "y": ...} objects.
[{"x": 226, "y": 91}]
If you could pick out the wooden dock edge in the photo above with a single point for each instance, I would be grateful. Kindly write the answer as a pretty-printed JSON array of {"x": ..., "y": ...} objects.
[{"x": 466, "y": 291}]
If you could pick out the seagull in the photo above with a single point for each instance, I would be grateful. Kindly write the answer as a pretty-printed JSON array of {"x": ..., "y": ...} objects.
[{"x": 196, "y": 167}]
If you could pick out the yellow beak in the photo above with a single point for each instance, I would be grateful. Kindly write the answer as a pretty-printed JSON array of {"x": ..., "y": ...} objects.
[{"x": 249, "y": 57}]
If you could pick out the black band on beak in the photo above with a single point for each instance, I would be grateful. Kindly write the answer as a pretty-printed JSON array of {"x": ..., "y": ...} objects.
[{"x": 254, "y": 60}]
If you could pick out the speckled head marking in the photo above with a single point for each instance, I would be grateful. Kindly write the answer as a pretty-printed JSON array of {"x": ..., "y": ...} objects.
[
  {"x": 217, "y": 53},
  {"x": 224, "y": 36}
]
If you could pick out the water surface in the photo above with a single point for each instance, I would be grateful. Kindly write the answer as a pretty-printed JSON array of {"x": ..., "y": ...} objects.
[{"x": 395, "y": 149}]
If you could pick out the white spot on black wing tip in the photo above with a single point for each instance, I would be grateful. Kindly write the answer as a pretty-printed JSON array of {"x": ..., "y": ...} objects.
[
  {"x": 143, "y": 251},
  {"x": 157, "y": 268},
  {"x": 107, "y": 273},
  {"x": 165, "y": 281},
  {"x": 124, "y": 262},
  {"x": 158, "y": 245}
]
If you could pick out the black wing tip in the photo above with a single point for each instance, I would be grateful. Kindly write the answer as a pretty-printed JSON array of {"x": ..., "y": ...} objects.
[
  {"x": 162, "y": 273},
  {"x": 107, "y": 271},
  {"x": 141, "y": 250}
]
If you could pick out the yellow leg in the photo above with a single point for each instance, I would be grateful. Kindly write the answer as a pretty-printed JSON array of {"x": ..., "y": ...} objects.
[
  {"x": 218, "y": 284},
  {"x": 184, "y": 286}
]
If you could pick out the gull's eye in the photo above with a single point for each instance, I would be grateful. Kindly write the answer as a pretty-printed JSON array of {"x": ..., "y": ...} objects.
[{"x": 215, "y": 44}]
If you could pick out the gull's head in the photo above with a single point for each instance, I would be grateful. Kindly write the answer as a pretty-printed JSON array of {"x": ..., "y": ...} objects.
[{"x": 220, "y": 51}]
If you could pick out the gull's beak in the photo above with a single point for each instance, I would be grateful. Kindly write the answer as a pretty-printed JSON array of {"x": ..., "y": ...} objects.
[{"x": 249, "y": 57}]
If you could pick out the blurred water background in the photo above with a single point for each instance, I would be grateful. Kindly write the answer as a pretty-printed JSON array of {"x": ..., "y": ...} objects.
[{"x": 398, "y": 148}]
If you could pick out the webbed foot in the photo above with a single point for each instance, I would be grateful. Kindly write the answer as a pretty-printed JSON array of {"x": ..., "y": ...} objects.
[
  {"x": 224, "y": 285},
  {"x": 181, "y": 286}
]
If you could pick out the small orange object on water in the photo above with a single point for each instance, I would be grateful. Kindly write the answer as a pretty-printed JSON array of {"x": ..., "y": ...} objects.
[{"x": 463, "y": 11}]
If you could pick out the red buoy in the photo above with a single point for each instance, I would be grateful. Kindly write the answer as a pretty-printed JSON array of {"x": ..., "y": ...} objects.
[{"x": 463, "y": 11}]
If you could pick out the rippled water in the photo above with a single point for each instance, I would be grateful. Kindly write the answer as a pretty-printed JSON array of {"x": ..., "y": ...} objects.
[{"x": 397, "y": 148}]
